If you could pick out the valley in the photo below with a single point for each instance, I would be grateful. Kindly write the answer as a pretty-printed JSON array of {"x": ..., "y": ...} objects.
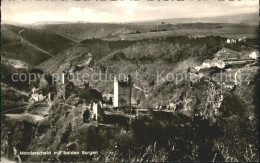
[
  {"x": 29, "y": 45},
  {"x": 149, "y": 115}
]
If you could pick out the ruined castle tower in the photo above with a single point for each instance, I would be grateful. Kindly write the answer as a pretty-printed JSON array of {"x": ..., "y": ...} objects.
[
  {"x": 115, "y": 100},
  {"x": 122, "y": 93},
  {"x": 65, "y": 86},
  {"x": 61, "y": 86}
]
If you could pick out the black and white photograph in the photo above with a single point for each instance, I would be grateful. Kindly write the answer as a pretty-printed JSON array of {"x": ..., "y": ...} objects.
[{"x": 129, "y": 81}]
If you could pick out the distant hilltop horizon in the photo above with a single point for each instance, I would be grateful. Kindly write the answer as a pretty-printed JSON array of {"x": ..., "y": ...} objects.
[{"x": 247, "y": 18}]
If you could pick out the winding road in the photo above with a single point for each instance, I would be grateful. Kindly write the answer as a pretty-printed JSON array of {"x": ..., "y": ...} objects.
[
  {"x": 25, "y": 116},
  {"x": 39, "y": 115},
  {"x": 19, "y": 34},
  {"x": 36, "y": 47}
]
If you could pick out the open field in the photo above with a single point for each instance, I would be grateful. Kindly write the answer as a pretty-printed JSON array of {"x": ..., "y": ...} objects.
[{"x": 224, "y": 30}]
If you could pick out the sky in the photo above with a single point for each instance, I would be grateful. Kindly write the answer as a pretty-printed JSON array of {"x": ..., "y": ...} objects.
[{"x": 32, "y": 11}]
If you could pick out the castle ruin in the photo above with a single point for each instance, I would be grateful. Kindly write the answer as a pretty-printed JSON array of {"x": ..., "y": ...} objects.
[{"x": 122, "y": 92}]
